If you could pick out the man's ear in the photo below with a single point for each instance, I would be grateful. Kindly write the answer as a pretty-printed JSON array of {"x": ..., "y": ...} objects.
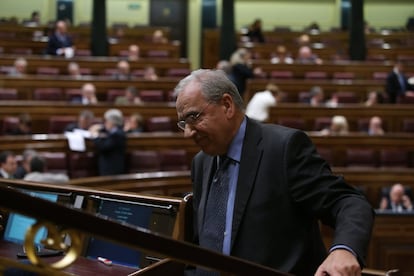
[{"x": 228, "y": 105}]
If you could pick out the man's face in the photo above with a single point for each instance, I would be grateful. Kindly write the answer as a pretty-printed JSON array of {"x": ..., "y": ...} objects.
[
  {"x": 61, "y": 27},
  {"x": 10, "y": 166},
  {"x": 397, "y": 194},
  {"x": 210, "y": 129}
]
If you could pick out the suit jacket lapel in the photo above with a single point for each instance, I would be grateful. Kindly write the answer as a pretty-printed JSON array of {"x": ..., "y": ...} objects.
[
  {"x": 249, "y": 164},
  {"x": 208, "y": 170}
]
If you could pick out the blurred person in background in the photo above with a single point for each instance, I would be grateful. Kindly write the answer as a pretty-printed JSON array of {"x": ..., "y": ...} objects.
[
  {"x": 130, "y": 97},
  {"x": 134, "y": 124},
  {"x": 24, "y": 167},
  {"x": 73, "y": 70},
  {"x": 150, "y": 73},
  {"x": 397, "y": 200},
  {"x": 255, "y": 33},
  {"x": 38, "y": 172},
  {"x": 88, "y": 95},
  {"x": 339, "y": 126},
  {"x": 375, "y": 126},
  {"x": 19, "y": 67},
  {"x": 259, "y": 105},
  {"x": 8, "y": 164},
  {"x": 84, "y": 121},
  {"x": 133, "y": 52},
  {"x": 241, "y": 69},
  {"x": 60, "y": 42},
  {"x": 306, "y": 56},
  {"x": 397, "y": 85},
  {"x": 123, "y": 71},
  {"x": 110, "y": 143},
  {"x": 281, "y": 56}
]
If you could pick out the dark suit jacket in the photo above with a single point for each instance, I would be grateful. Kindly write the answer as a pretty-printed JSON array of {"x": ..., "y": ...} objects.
[
  {"x": 393, "y": 87},
  {"x": 239, "y": 75},
  {"x": 111, "y": 148},
  {"x": 55, "y": 43},
  {"x": 283, "y": 188}
]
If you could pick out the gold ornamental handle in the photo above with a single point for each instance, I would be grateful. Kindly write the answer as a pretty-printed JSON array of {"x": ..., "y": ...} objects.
[{"x": 55, "y": 240}]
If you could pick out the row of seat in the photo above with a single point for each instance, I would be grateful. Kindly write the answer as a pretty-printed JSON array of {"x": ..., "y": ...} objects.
[
  {"x": 25, "y": 51},
  {"x": 84, "y": 164},
  {"x": 318, "y": 75},
  {"x": 70, "y": 94},
  {"x": 82, "y": 29},
  {"x": 57, "y": 124},
  {"x": 158, "y": 95},
  {"x": 361, "y": 124},
  {"x": 138, "y": 73},
  {"x": 370, "y": 158}
]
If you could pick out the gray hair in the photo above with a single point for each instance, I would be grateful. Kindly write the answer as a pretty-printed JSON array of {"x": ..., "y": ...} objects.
[
  {"x": 214, "y": 84},
  {"x": 115, "y": 116},
  {"x": 20, "y": 61}
]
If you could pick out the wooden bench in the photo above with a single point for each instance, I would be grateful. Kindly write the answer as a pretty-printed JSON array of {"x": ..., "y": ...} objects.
[
  {"x": 393, "y": 116},
  {"x": 337, "y": 150},
  {"x": 293, "y": 87},
  {"x": 358, "y": 115},
  {"x": 41, "y": 111},
  {"x": 96, "y": 65},
  {"x": 360, "y": 70},
  {"x": 26, "y": 86},
  {"x": 369, "y": 180},
  {"x": 82, "y": 32},
  {"x": 38, "y": 47},
  {"x": 211, "y": 38}
]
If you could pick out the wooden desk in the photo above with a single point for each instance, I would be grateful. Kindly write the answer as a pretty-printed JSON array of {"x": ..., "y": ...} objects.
[
  {"x": 392, "y": 116},
  {"x": 171, "y": 140},
  {"x": 41, "y": 111},
  {"x": 82, "y": 32},
  {"x": 368, "y": 180},
  {"x": 392, "y": 243},
  {"x": 25, "y": 86},
  {"x": 329, "y": 52},
  {"x": 292, "y": 87},
  {"x": 211, "y": 38},
  {"x": 82, "y": 266},
  {"x": 97, "y": 65},
  {"x": 154, "y": 183},
  {"x": 363, "y": 70},
  {"x": 38, "y": 47},
  {"x": 371, "y": 180}
]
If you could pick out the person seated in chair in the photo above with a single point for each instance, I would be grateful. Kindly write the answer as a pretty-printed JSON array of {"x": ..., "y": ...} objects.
[
  {"x": 38, "y": 172},
  {"x": 60, "y": 42},
  {"x": 396, "y": 199}
]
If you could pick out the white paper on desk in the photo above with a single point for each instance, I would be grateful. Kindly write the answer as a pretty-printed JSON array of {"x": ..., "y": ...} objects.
[
  {"x": 76, "y": 141},
  {"x": 82, "y": 132}
]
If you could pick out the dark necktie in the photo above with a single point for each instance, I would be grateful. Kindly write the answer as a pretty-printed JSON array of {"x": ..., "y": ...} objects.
[
  {"x": 212, "y": 233},
  {"x": 402, "y": 83},
  {"x": 215, "y": 213}
]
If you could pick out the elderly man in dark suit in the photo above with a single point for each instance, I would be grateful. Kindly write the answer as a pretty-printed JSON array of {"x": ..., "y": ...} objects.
[
  {"x": 60, "y": 42},
  {"x": 279, "y": 188},
  {"x": 397, "y": 85},
  {"x": 110, "y": 143}
]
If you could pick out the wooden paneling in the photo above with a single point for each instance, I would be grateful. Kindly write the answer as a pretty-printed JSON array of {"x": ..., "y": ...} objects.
[{"x": 40, "y": 111}]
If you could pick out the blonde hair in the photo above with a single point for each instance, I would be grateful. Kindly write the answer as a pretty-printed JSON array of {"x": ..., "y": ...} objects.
[
  {"x": 239, "y": 56},
  {"x": 339, "y": 125}
]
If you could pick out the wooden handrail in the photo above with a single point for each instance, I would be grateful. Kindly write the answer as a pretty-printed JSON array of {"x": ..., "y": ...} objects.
[{"x": 127, "y": 235}]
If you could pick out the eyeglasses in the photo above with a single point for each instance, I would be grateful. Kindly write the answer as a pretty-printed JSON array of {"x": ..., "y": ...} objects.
[{"x": 191, "y": 119}]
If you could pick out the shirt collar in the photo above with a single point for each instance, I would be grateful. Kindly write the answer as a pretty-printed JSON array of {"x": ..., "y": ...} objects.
[
  {"x": 4, "y": 173},
  {"x": 236, "y": 145}
]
